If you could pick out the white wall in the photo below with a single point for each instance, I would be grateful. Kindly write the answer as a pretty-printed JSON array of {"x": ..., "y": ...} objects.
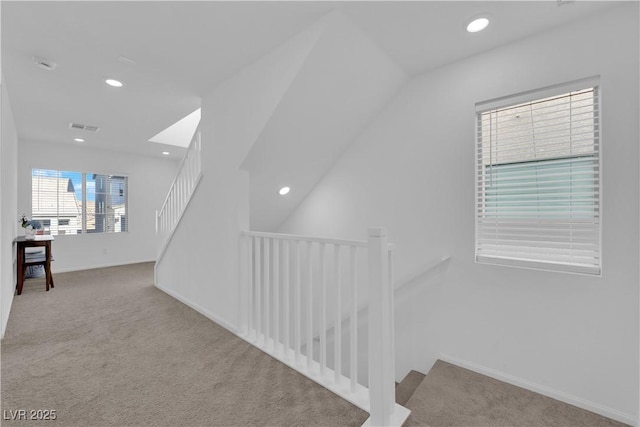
[
  {"x": 8, "y": 206},
  {"x": 200, "y": 264},
  {"x": 571, "y": 336},
  {"x": 344, "y": 83},
  {"x": 149, "y": 181}
]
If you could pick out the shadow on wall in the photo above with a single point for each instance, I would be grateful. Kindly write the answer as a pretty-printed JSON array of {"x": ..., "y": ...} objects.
[{"x": 417, "y": 310}]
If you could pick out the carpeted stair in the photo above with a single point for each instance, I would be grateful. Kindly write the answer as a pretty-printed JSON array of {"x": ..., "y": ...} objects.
[
  {"x": 453, "y": 396},
  {"x": 408, "y": 386}
]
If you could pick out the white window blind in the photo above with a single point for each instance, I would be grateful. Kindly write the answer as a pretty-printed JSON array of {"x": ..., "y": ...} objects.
[
  {"x": 68, "y": 202},
  {"x": 538, "y": 182}
]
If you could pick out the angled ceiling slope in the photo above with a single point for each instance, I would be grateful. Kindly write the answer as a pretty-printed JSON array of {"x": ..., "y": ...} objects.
[
  {"x": 344, "y": 82},
  {"x": 243, "y": 104}
]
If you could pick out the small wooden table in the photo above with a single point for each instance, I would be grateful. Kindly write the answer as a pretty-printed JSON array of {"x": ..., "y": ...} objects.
[{"x": 39, "y": 241}]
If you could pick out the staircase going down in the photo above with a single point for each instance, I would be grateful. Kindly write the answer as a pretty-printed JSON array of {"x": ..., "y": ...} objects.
[
  {"x": 408, "y": 386},
  {"x": 453, "y": 396}
]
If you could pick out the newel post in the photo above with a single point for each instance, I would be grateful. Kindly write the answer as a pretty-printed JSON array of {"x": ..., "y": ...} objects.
[{"x": 381, "y": 348}]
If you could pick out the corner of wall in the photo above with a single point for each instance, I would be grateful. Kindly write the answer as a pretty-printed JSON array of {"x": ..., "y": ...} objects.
[{"x": 8, "y": 206}]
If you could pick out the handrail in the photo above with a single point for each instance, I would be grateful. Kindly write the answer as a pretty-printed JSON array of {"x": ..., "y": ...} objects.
[
  {"x": 281, "y": 236},
  {"x": 410, "y": 278},
  {"x": 173, "y": 183}
]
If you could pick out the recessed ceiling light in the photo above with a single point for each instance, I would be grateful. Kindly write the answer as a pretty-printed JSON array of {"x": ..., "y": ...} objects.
[
  {"x": 78, "y": 139},
  {"x": 284, "y": 190},
  {"x": 477, "y": 24},
  {"x": 113, "y": 82},
  {"x": 166, "y": 153}
]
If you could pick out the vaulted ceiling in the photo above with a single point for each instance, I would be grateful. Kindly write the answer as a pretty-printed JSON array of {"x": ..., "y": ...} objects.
[
  {"x": 182, "y": 50},
  {"x": 170, "y": 55}
]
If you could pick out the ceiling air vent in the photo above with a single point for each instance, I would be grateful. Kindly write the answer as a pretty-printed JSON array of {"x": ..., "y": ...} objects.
[{"x": 84, "y": 127}]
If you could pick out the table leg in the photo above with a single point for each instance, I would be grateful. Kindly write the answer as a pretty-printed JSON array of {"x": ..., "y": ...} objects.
[
  {"x": 47, "y": 266},
  {"x": 50, "y": 273},
  {"x": 20, "y": 268}
]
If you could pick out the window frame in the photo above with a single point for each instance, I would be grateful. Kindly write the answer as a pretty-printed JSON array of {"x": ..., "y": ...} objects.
[
  {"x": 84, "y": 177},
  {"x": 528, "y": 97}
]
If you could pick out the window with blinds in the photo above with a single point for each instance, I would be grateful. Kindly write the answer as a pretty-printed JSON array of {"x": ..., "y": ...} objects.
[
  {"x": 67, "y": 202},
  {"x": 538, "y": 180}
]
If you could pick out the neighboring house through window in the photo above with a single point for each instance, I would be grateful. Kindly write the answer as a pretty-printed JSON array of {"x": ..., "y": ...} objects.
[
  {"x": 75, "y": 202},
  {"x": 538, "y": 179}
]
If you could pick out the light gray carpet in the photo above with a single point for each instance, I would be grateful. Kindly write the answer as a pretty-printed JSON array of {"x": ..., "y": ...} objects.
[
  {"x": 454, "y": 396},
  {"x": 106, "y": 348}
]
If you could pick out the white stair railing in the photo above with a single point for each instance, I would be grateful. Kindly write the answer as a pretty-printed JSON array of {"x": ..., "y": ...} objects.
[
  {"x": 180, "y": 192},
  {"x": 295, "y": 288}
]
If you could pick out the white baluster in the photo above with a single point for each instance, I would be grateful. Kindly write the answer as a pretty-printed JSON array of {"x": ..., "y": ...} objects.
[
  {"x": 190, "y": 172},
  {"x": 390, "y": 300},
  {"x": 287, "y": 307},
  {"x": 309, "y": 307},
  {"x": 183, "y": 196},
  {"x": 298, "y": 302},
  {"x": 162, "y": 218},
  {"x": 258, "y": 277},
  {"x": 169, "y": 211},
  {"x": 173, "y": 208},
  {"x": 178, "y": 197},
  {"x": 193, "y": 167},
  {"x": 353, "y": 322},
  {"x": 267, "y": 292},
  {"x": 249, "y": 273},
  {"x": 337, "y": 327},
  {"x": 323, "y": 312},
  {"x": 276, "y": 295},
  {"x": 187, "y": 172},
  {"x": 184, "y": 190}
]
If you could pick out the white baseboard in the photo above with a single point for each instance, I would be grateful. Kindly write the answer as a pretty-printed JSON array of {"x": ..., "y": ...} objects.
[
  {"x": 91, "y": 267},
  {"x": 228, "y": 326},
  {"x": 597, "y": 408},
  {"x": 5, "y": 317}
]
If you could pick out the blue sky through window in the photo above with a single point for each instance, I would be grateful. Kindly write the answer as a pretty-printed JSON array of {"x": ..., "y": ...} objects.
[{"x": 76, "y": 179}]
